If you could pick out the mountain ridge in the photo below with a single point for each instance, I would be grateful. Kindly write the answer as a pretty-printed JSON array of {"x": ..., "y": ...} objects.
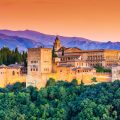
[
  {"x": 14, "y": 41},
  {"x": 34, "y": 39}
]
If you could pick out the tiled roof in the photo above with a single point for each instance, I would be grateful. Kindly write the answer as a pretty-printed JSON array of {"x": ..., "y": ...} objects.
[
  {"x": 83, "y": 68},
  {"x": 67, "y": 48},
  {"x": 3, "y": 66},
  {"x": 65, "y": 65},
  {"x": 15, "y": 65}
]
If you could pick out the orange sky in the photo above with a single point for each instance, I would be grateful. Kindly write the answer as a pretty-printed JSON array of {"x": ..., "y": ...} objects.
[{"x": 93, "y": 19}]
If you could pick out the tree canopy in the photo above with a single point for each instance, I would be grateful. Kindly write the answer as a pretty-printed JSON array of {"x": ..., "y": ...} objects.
[
  {"x": 61, "y": 101},
  {"x": 8, "y": 56},
  {"x": 101, "y": 69}
]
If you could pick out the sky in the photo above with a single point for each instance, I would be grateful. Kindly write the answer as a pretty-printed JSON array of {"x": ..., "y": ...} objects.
[{"x": 93, "y": 19}]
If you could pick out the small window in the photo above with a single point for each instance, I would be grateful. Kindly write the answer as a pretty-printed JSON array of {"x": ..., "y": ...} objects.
[{"x": 13, "y": 72}]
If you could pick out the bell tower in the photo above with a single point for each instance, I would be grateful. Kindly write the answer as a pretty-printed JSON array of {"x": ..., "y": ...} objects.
[{"x": 57, "y": 44}]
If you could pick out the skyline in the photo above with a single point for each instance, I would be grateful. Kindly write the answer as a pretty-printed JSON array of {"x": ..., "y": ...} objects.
[{"x": 95, "y": 20}]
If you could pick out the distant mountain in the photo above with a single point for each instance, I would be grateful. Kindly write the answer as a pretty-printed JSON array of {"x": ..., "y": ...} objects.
[
  {"x": 28, "y": 38},
  {"x": 13, "y": 41}
]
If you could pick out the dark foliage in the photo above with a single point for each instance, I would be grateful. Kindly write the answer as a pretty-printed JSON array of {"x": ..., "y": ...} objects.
[
  {"x": 53, "y": 53},
  {"x": 8, "y": 56},
  {"x": 61, "y": 101},
  {"x": 50, "y": 82},
  {"x": 102, "y": 69}
]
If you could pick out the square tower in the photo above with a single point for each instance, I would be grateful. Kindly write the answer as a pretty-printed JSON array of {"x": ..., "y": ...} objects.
[{"x": 39, "y": 65}]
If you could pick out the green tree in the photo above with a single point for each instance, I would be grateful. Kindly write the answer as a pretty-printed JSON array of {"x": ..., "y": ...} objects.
[
  {"x": 101, "y": 69},
  {"x": 82, "y": 83},
  {"x": 53, "y": 53},
  {"x": 74, "y": 82},
  {"x": 62, "y": 101},
  {"x": 50, "y": 82},
  {"x": 17, "y": 56},
  {"x": 94, "y": 79},
  {"x": 8, "y": 56}
]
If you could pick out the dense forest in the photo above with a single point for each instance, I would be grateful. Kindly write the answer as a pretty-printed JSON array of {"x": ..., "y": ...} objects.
[
  {"x": 61, "y": 101},
  {"x": 8, "y": 56}
]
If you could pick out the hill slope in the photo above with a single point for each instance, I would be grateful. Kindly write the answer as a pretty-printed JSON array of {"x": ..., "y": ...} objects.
[
  {"x": 36, "y": 38},
  {"x": 13, "y": 41},
  {"x": 61, "y": 101}
]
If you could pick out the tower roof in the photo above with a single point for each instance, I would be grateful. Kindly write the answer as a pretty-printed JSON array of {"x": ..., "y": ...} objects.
[{"x": 57, "y": 39}]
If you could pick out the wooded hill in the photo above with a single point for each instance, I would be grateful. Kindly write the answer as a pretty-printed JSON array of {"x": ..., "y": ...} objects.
[{"x": 61, "y": 101}]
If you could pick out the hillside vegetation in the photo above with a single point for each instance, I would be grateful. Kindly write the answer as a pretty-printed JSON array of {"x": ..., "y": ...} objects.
[
  {"x": 8, "y": 56},
  {"x": 61, "y": 101}
]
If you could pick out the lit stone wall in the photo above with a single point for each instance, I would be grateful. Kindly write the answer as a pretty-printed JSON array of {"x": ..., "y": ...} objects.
[
  {"x": 68, "y": 75},
  {"x": 111, "y": 57},
  {"x": 10, "y": 75},
  {"x": 115, "y": 73},
  {"x": 106, "y": 58},
  {"x": 39, "y": 66},
  {"x": 103, "y": 77}
]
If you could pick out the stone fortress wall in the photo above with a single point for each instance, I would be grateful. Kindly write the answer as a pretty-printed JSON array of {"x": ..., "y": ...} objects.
[
  {"x": 69, "y": 64},
  {"x": 74, "y": 63},
  {"x": 11, "y": 75}
]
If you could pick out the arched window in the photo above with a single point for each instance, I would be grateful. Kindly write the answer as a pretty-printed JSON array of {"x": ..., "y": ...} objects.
[
  {"x": 68, "y": 58},
  {"x": 13, "y": 73}
]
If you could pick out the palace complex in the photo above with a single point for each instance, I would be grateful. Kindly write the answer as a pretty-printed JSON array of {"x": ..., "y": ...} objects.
[
  {"x": 68, "y": 64},
  {"x": 62, "y": 63}
]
